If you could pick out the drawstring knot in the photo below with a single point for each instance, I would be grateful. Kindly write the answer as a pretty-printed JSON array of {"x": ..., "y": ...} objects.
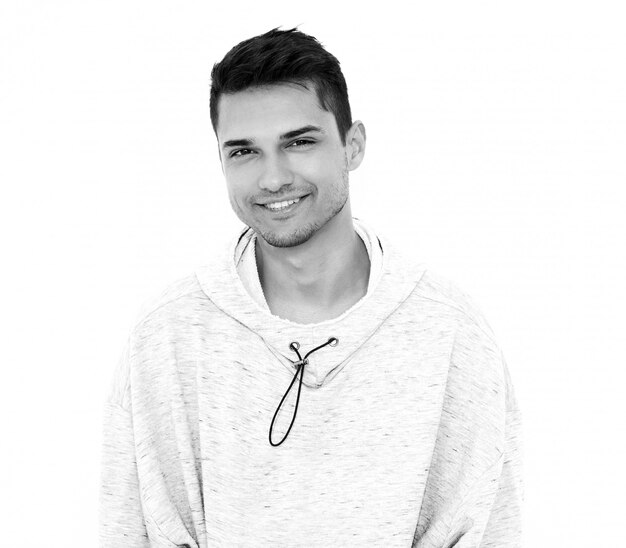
[{"x": 295, "y": 346}]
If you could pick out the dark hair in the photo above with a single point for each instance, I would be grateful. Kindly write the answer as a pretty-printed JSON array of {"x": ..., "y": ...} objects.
[{"x": 283, "y": 56}]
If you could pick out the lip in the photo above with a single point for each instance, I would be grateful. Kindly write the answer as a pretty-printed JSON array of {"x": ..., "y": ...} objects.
[
  {"x": 283, "y": 213},
  {"x": 282, "y": 200}
]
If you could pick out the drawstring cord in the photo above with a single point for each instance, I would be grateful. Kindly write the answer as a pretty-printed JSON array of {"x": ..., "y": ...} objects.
[{"x": 295, "y": 346}]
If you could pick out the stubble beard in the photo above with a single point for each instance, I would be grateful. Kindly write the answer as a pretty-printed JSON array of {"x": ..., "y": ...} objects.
[{"x": 304, "y": 233}]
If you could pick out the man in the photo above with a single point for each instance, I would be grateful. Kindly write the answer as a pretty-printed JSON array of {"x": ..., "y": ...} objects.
[{"x": 310, "y": 386}]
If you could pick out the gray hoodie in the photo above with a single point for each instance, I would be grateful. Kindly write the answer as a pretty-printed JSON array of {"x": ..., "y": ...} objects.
[{"x": 400, "y": 428}]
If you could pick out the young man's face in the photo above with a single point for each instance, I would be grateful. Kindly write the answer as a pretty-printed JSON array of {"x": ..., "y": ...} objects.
[{"x": 277, "y": 144}]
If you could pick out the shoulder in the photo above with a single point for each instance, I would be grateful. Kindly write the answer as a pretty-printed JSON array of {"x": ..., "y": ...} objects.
[
  {"x": 475, "y": 349},
  {"x": 447, "y": 295},
  {"x": 440, "y": 298},
  {"x": 176, "y": 295},
  {"x": 162, "y": 311}
]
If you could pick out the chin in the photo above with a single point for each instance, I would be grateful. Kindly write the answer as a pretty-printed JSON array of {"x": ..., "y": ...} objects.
[{"x": 288, "y": 239}]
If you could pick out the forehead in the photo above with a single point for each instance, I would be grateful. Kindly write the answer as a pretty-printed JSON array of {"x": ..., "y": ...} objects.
[{"x": 265, "y": 112}]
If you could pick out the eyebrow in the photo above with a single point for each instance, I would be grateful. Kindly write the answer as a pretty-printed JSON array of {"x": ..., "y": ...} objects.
[{"x": 289, "y": 135}]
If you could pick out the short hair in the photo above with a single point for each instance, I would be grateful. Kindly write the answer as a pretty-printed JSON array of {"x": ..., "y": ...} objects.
[{"x": 283, "y": 56}]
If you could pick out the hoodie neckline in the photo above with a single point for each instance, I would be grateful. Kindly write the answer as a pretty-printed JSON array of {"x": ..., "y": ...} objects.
[
  {"x": 246, "y": 263},
  {"x": 221, "y": 283}
]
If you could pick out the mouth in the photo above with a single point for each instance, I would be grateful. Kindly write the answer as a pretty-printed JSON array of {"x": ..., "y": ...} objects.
[{"x": 281, "y": 209}]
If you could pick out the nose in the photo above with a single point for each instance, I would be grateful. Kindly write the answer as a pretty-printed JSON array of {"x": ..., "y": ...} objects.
[{"x": 276, "y": 173}]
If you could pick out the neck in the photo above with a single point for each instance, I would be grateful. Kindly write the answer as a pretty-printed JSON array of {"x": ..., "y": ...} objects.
[{"x": 328, "y": 272}]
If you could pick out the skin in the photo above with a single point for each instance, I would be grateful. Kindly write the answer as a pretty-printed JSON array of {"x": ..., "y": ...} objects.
[{"x": 312, "y": 265}]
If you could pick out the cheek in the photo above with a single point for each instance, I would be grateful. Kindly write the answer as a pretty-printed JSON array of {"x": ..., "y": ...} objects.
[
  {"x": 243, "y": 176},
  {"x": 321, "y": 168},
  {"x": 236, "y": 183}
]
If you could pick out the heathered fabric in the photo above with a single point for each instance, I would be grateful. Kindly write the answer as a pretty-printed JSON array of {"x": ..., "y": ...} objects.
[{"x": 407, "y": 432}]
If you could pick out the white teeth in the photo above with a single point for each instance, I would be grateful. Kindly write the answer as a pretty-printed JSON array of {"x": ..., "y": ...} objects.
[{"x": 281, "y": 205}]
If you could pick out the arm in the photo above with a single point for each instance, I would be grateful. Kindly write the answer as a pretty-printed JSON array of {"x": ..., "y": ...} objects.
[
  {"x": 504, "y": 526},
  {"x": 501, "y": 525},
  {"x": 121, "y": 521},
  {"x": 121, "y": 516}
]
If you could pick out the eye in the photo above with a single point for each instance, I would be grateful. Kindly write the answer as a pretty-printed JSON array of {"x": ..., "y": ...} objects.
[
  {"x": 239, "y": 152},
  {"x": 299, "y": 143}
]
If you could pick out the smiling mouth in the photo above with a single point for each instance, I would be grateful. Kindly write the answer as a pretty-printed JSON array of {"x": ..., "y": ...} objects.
[{"x": 284, "y": 206}]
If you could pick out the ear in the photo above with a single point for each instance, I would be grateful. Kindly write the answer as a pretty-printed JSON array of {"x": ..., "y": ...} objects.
[{"x": 355, "y": 144}]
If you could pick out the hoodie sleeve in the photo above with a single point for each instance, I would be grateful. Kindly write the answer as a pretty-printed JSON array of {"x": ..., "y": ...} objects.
[
  {"x": 121, "y": 521},
  {"x": 504, "y": 525},
  {"x": 499, "y": 526}
]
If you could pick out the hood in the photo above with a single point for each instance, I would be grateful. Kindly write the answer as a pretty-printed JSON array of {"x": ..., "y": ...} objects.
[{"x": 398, "y": 278}]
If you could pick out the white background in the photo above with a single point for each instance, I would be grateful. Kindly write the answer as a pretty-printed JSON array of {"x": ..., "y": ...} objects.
[{"x": 496, "y": 153}]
